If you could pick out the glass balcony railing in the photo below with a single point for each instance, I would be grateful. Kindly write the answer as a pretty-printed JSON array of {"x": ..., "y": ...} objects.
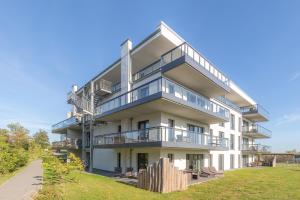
[
  {"x": 147, "y": 70},
  {"x": 182, "y": 50},
  {"x": 161, "y": 134},
  {"x": 65, "y": 123},
  {"x": 255, "y": 109},
  {"x": 176, "y": 91},
  {"x": 256, "y": 148},
  {"x": 70, "y": 143},
  {"x": 187, "y": 50},
  {"x": 255, "y": 129}
]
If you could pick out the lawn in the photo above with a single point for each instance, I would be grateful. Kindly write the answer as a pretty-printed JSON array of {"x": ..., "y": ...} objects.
[{"x": 266, "y": 183}]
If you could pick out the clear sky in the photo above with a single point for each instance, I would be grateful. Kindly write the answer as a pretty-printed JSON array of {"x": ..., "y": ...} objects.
[{"x": 46, "y": 46}]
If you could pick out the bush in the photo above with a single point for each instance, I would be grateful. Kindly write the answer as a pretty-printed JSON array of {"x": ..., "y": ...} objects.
[
  {"x": 57, "y": 171},
  {"x": 11, "y": 159}
]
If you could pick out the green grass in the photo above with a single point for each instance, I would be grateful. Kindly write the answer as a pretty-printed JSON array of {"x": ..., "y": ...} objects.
[{"x": 267, "y": 183}]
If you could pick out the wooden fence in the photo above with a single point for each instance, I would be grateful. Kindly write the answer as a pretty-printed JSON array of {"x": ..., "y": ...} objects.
[{"x": 163, "y": 177}]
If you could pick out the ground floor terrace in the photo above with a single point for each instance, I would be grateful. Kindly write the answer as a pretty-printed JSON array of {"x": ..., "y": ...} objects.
[{"x": 134, "y": 159}]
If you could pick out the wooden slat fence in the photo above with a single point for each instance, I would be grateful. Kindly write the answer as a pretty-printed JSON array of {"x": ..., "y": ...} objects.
[{"x": 163, "y": 177}]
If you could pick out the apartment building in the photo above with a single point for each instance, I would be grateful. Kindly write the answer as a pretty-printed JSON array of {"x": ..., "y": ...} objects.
[{"x": 162, "y": 98}]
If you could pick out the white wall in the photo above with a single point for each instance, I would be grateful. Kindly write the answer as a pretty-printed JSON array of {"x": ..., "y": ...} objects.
[{"x": 105, "y": 159}]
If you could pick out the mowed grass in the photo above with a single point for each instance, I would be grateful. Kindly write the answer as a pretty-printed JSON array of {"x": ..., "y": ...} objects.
[{"x": 282, "y": 183}]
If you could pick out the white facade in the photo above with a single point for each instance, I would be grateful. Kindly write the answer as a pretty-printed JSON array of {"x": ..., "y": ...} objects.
[{"x": 168, "y": 105}]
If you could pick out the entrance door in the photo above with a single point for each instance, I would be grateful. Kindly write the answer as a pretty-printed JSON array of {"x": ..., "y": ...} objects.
[
  {"x": 142, "y": 161},
  {"x": 170, "y": 130},
  {"x": 143, "y": 130}
]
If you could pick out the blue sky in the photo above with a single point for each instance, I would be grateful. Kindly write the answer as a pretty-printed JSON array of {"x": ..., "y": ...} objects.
[{"x": 46, "y": 46}]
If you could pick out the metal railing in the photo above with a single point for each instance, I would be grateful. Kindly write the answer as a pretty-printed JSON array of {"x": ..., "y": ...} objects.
[
  {"x": 179, "y": 51},
  {"x": 116, "y": 87},
  {"x": 255, "y": 109},
  {"x": 256, "y": 148},
  {"x": 65, "y": 123},
  {"x": 71, "y": 143},
  {"x": 255, "y": 128},
  {"x": 188, "y": 50},
  {"x": 163, "y": 134},
  {"x": 165, "y": 85},
  {"x": 228, "y": 103},
  {"x": 147, "y": 70}
]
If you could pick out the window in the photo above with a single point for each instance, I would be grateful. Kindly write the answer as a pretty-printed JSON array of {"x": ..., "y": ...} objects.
[
  {"x": 221, "y": 134},
  {"x": 119, "y": 160},
  {"x": 239, "y": 161},
  {"x": 231, "y": 161},
  {"x": 222, "y": 124},
  {"x": 232, "y": 142},
  {"x": 196, "y": 129},
  {"x": 210, "y": 160},
  {"x": 232, "y": 122},
  {"x": 171, "y": 157},
  {"x": 194, "y": 161},
  {"x": 221, "y": 162},
  {"x": 142, "y": 161},
  {"x": 119, "y": 128},
  {"x": 240, "y": 124},
  {"x": 239, "y": 143}
]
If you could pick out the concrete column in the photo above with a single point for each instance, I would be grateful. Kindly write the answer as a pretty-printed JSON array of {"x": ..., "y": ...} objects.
[
  {"x": 126, "y": 73},
  {"x": 92, "y": 127},
  {"x": 74, "y": 110}
]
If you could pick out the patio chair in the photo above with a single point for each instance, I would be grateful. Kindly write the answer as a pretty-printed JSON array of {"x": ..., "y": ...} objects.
[
  {"x": 217, "y": 173},
  {"x": 205, "y": 172}
]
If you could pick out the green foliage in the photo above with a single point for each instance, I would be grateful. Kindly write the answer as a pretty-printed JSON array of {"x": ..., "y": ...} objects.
[
  {"x": 18, "y": 135},
  {"x": 11, "y": 159},
  {"x": 41, "y": 138},
  {"x": 57, "y": 171},
  {"x": 50, "y": 192}
]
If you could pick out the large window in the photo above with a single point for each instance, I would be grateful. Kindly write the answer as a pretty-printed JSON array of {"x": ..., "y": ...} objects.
[
  {"x": 232, "y": 122},
  {"x": 196, "y": 129},
  {"x": 239, "y": 143},
  {"x": 194, "y": 161},
  {"x": 221, "y": 162},
  {"x": 240, "y": 124},
  {"x": 210, "y": 160},
  {"x": 231, "y": 161},
  {"x": 232, "y": 138}
]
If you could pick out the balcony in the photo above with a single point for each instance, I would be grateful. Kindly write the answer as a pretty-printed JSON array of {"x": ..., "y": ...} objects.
[
  {"x": 161, "y": 137},
  {"x": 256, "y": 131},
  {"x": 184, "y": 61},
  {"x": 69, "y": 143},
  {"x": 255, "y": 148},
  {"x": 255, "y": 113},
  {"x": 162, "y": 95},
  {"x": 61, "y": 127}
]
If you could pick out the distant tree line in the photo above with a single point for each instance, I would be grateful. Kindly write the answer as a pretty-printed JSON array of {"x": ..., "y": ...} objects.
[{"x": 17, "y": 147}]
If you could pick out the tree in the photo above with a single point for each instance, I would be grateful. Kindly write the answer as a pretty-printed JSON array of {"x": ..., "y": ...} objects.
[
  {"x": 41, "y": 138},
  {"x": 18, "y": 135}
]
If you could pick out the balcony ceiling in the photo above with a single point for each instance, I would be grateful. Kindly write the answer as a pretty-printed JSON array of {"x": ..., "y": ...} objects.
[
  {"x": 63, "y": 130},
  {"x": 150, "y": 52},
  {"x": 201, "y": 82},
  {"x": 162, "y": 105}
]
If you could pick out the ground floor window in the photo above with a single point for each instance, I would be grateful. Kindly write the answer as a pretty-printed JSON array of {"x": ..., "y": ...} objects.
[
  {"x": 231, "y": 161},
  {"x": 245, "y": 160},
  {"x": 119, "y": 160},
  {"x": 210, "y": 160},
  {"x": 194, "y": 161},
  {"x": 142, "y": 161},
  {"x": 171, "y": 157},
  {"x": 239, "y": 160},
  {"x": 221, "y": 162}
]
